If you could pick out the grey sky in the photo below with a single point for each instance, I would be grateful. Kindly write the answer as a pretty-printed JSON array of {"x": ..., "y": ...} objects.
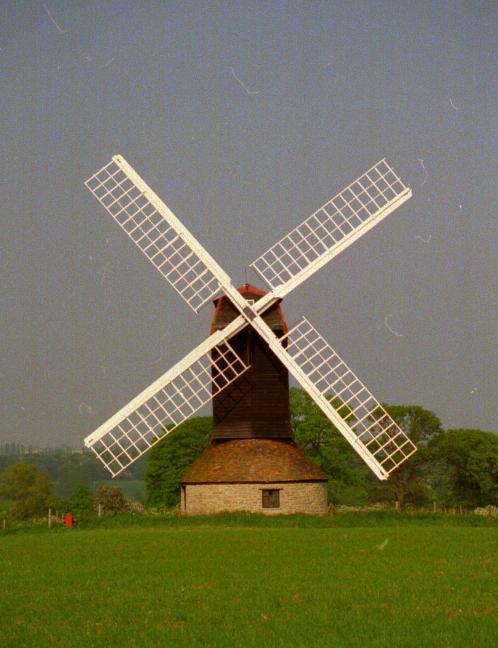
[{"x": 244, "y": 117}]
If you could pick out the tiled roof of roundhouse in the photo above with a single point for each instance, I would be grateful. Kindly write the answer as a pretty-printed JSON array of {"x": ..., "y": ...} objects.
[{"x": 253, "y": 460}]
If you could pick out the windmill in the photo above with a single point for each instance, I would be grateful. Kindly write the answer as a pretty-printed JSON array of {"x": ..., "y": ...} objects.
[{"x": 248, "y": 325}]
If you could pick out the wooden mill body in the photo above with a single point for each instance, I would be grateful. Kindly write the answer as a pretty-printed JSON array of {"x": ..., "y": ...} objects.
[
  {"x": 252, "y": 456},
  {"x": 257, "y": 404}
]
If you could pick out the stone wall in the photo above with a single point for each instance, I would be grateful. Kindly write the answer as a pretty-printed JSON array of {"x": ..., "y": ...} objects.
[{"x": 295, "y": 497}]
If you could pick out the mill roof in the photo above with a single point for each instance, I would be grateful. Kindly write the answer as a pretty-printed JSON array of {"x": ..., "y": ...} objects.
[
  {"x": 245, "y": 289},
  {"x": 253, "y": 460},
  {"x": 248, "y": 291}
]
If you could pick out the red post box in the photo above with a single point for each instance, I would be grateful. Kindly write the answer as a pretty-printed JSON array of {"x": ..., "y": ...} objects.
[{"x": 68, "y": 519}]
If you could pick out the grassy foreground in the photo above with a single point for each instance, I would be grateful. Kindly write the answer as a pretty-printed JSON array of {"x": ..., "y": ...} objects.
[{"x": 230, "y": 582}]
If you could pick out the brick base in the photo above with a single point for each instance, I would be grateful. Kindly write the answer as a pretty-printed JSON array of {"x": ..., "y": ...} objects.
[{"x": 295, "y": 497}]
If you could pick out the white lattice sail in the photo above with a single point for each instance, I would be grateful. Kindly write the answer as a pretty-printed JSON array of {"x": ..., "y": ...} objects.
[
  {"x": 214, "y": 365},
  {"x": 155, "y": 230},
  {"x": 363, "y": 421},
  {"x": 169, "y": 401},
  {"x": 337, "y": 224}
]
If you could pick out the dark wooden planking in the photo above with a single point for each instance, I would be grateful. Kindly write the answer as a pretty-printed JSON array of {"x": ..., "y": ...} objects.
[{"x": 256, "y": 405}]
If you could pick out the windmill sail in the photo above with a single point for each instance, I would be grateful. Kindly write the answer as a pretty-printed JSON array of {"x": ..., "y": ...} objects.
[
  {"x": 153, "y": 227},
  {"x": 169, "y": 401},
  {"x": 214, "y": 365},
  {"x": 343, "y": 398},
  {"x": 346, "y": 401},
  {"x": 327, "y": 232}
]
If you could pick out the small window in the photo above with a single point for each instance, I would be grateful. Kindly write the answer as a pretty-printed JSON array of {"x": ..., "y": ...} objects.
[{"x": 271, "y": 498}]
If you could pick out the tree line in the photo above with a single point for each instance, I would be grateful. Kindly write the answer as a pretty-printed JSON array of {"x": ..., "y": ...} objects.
[
  {"x": 29, "y": 493},
  {"x": 63, "y": 480},
  {"x": 68, "y": 468},
  {"x": 457, "y": 467},
  {"x": 451, "y": 467}
]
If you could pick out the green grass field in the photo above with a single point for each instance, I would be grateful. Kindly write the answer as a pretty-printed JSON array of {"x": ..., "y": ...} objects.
[{"x": 243, "y": 581}]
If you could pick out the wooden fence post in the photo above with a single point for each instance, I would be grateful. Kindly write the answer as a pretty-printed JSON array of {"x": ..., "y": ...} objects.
[
  {"x": 100, "y": 510},
  {"x": 434, "y": 507},
  {"x": 49, "y": 518}
]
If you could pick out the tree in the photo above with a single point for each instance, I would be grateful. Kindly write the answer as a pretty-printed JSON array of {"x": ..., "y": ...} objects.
[
  {"x": 311, "y": 428},
  {"x": 81, "y": 500},
  {"x": 66, "y": 468},
  {"x": 348, "y": 476},
  {"x": 72, "y": 469},
  {"x": 408, "y": 483},
  {"x": 471, "y": 457},
  {"x": 169, "y": 460},
  {"x": 110, "y": 499},
  {"x": 29, "y": 490},
  {"x": 421, "y": 425}
]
